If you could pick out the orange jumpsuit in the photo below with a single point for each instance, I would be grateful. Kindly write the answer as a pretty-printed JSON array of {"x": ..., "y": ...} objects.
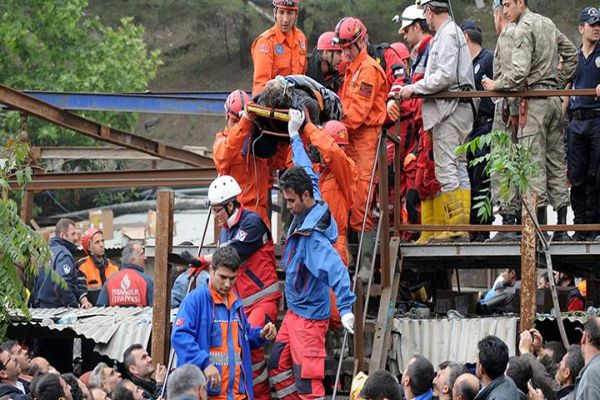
[
  {"x": 364, "y": 100},
  {"x": 275, "y": 53},
  {"x": 231, "y": 154},
  {"x": 338, "y": 184}
]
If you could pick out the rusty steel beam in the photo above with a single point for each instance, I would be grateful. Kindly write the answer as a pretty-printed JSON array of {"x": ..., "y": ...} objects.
[
  {"x": 384, "y": 239},
  {"x": 528, "y": 264},
  {"x": 516, "y": 93},
  {"x": 125, "y": 178},
  {"x": 19, "y": 101},
  {"x": 103, "y": 153},
  {"x": 497, "y": 228}
]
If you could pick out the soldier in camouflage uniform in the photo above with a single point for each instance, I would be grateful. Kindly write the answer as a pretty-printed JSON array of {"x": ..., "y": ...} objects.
[{"x": 537, "y": 46}]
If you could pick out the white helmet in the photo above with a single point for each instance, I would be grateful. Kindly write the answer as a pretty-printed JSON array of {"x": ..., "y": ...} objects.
[
  {"x": 223, "y": 189},
  {"x": 410, "y": 15},
  {"x": 434, "y": 3}
]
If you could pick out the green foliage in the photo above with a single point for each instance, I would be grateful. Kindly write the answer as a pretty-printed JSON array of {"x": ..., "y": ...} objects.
[
  {"x": 55, "y": 46},
  {"x": 22, "y": 251},
  {"x": 510, "y": 164}
]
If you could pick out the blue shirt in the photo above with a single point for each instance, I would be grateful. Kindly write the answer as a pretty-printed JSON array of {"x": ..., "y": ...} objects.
[
  {"x": 587, "y": 76},
  {"x": 428, "y": 395},
  {"x": 483, "y": 65}
]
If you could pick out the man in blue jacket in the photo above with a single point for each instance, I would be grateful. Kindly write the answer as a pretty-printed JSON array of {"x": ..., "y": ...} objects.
[
  {"x": 49, "y": 294},
  {"x": 312, "y": 267},
  {"x": 212, "y": 332}
]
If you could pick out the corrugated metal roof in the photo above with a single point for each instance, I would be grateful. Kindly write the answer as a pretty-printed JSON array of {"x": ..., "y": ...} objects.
[
  {"x": 112, "y": 328},
  {"x": 447, "y": 339}
]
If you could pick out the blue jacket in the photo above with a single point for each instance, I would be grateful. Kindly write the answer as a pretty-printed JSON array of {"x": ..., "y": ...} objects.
[
  {"x": 180, "y": 286},
  {"x": 196, "y": 330},
  {"x": 312, "y": 265},
  {"x": 48, "y": 294},
  {"x": 128, "y": 287}
]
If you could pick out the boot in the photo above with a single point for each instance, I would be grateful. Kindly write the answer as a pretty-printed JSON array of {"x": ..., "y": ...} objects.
[
  {"x": 542, "y": 217},
  {"x": 366, "y": 256},
  {"x": 454, "y": 215},
  {"x": 426, "y": 219},
  {"x": 506, "y": 236},
  {"x": 561, "y": 236}
]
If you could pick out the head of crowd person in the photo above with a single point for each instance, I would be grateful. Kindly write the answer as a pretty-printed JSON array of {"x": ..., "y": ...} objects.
[
  {"x": 66, "y": 230},
  {"x": 445, "y": 379},
  {"x": 381, "y": 385},
  {"x": 589, "y": 25},
  {"x": 19, "y": 353},
  {"x": 351, "y": 36},
  {"x": 105, "y": 378},
  {"x": 276, "y": 94},
  {"x": 92, "y": 242},
  {"x": 134, "y": 253},
  {"x": 50, "y": 386},
  {"x": 500, "y": 18},
  {"x": 127, "y": 390},
  {"x": 564, "y": 279},
  {"x": 331, "y": 52},
  {"x": 417, "y": 377},
  {"x": 285, "y": 13},
  {"x": 413, "y": 26},
  {"x": 222, "y": 195},
  {"x": 187, "y": 382},
  {"x": 9, "y": 367},
  {"x": 543, "y": 281},
  {"x": 138, "y": 362},
  {"x": 224, "y": 269},
  {"x": 465, "y": 387},
  {"x": 436, "y": 12},
  {"x": 297, "y": 190},
  {"x": 511, "y": 276},
  {"x": 78, "y": 389},
  {"x": 473, "y": 37},
  {"x": 555, "y": 350},
  {"x": 513, "y": 9},
  {"x": 441, "y": 368},
  {"x": 519, "y": 370},
  {"x": 234, "y": 106},
  {"x": 590, "y": 342},
  {"x": 98, "y": 393},
  {"x": 570, "y": 366},
  {"x": 38, "y": 366},
  {"x": 492, "y": 358}
]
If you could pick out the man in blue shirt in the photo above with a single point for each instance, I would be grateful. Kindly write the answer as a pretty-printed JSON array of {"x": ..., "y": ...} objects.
[
  {"x": 483, "y": 66},
  {"x": 583, "y": 143}
]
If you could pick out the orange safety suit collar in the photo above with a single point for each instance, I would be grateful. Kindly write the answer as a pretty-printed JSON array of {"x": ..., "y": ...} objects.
[
  {"x": 218, "y": 297},
  {"x": 282, "y": 37}
]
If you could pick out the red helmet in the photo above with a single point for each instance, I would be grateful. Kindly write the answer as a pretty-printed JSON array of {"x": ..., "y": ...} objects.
[
  {"x": 87, "y": 237},
  {"x": 337, "y": 131},
  {"x": 326, "y": 42},
  {"x": 287, "y": 4},
  {"x": 401, "y": 49},
  {"x": 234, "y": 105},
  {"x": 348, "y": 31}
]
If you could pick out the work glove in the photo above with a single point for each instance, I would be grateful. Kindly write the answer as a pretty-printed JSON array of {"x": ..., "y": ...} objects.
[
  {"x": 295, "y": 122},
  {"x": 392, "y": 110},
  {"x": 348, "y": 322},
  {"x": 192, "y": 259},
  {"x": 410, "y": 157}
]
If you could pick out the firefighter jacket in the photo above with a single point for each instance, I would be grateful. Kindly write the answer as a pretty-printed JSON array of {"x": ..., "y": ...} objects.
[
  {"x": 128, "y": 287},
  {"x": 48, "y": 294},
  {"x": 275, "y": 53},
  {"x": 206, "y": 331},
  {"x": 312, "y": 266},
  {"x": 250, "y": 237},
  {"x": 96, "y": 272}
]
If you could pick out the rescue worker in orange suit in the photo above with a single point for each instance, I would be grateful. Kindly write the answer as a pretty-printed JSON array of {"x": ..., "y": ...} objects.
[
  {"x": 257, "y": 284},
  {"x": 232, "y": 154},
  {"x": 130, "y": 287},
  {"x": 324, "y": 62},
  {"x": 414, "y": 29},
  {"x": 363, "y": 98},
  {"x": 403, "y": 125},
  {"x": 95, "y": 266},
  {"x": 337, "y": 181},
  {"x": 312, "y": 268},
  {"x": 212, "y": 332},
  {"x": 280, "y": 50}
]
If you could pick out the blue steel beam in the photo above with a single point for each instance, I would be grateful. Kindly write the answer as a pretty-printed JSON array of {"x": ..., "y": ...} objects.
[{"x": 197, "y": 103}]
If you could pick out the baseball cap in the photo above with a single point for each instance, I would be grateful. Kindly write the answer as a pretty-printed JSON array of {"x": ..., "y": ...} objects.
[
  {"x": 470, "y": 26},
  {"x": 589, "y": 15}
]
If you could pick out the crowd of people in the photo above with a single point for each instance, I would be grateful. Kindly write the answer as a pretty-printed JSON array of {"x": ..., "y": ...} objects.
[{"x": 336, "y": 104}]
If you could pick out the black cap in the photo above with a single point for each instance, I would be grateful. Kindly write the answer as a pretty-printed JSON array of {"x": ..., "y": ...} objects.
[
  {"x": 470, "y": 26},
  {"x": 589, "y": 15}
]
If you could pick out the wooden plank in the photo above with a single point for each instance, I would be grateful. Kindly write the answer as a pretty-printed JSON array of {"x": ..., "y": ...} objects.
[
  {"x": 387, "y": 306},
  {"x": 27, "y": 206},
  {"x": 384, "y": 238},
  {"x": 528, "y": 265},
  {"x": 359, "y": 351},
  {"x": 162, "y": 299}
]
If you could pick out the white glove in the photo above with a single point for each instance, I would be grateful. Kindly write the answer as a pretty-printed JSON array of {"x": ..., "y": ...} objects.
[
  {"x": 348, "y": 322},
  {"x": 296, "y": 121}
]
